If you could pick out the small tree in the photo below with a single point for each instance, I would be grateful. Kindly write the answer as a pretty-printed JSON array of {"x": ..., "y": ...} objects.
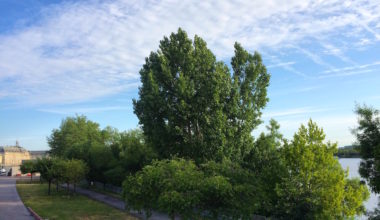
[
  {"x": 75, "y": 171},
  {"x": 29, "y": 166},
  {"x": 315, "y": 185},
  {"x": 45, "y": 167},
  {"x": 58, "y": 171}
]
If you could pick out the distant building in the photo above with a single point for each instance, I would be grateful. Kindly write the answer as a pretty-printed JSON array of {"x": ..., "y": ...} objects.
[{"x": 11, "y": 157}]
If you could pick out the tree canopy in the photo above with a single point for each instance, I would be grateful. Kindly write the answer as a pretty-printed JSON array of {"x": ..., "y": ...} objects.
[
  {"x": 315, "y": 185},
  {"x": 191, "y": 105},
  {"x": 368, "y": 141}
]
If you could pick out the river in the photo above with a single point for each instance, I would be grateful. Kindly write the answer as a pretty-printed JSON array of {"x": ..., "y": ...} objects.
[{"x": 353, "y": 165}]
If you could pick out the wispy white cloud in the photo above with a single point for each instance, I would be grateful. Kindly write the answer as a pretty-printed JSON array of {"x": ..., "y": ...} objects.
[
  {"x": 355, "y": 67},
  {"x": 83, "y": 110},
  {"x": 280, "y": 64},
  {"x": 83, "y": 50},
  {"x": 348, "y": 73},
  {"x": 304, "y": 111}
]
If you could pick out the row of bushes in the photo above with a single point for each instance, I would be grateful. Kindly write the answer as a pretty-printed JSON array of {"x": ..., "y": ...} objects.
[{"x": 179, "y": 187}]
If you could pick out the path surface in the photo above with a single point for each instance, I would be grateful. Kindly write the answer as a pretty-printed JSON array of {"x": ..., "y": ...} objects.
[
  {"x": 117, "y": 203},
  {"x": 11, "y": 206}
]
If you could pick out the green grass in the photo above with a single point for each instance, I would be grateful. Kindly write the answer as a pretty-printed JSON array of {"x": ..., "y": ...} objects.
[{"x": 59, "y": 205}]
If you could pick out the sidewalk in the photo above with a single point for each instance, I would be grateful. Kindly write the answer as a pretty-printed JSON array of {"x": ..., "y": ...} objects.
[
  {"x": 11, "y": 206},
  {"x": 116, "y": 203}
]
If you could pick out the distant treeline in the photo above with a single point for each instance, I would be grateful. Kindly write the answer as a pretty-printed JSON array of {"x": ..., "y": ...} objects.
[{"x": 348, "y": 152}]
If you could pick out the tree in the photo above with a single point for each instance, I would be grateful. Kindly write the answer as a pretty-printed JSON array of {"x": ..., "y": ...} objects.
[
  {"x": 29, "y": 166},
  {"x": 80, "y": 138},
  {"x": 190, "y": 105},
  {"x": 45, "y": 167},
  {"x": 368, "y": 142},
  {"x": 265, "y": 161},
  {"x": 59, "y": 169},
  {"x": 74, "y": 138},
  {"x": 135, "y": 153},
  {"x": 75, "y": 171},
  {"x": 100, "y": 160},
  {"x": 315, "y": 185},
  {"x": 226, "y": 190}
]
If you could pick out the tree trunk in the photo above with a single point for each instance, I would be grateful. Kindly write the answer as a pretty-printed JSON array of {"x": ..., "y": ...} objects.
[
  {"x": 31, "y": 177},
  {"x": 68, "y": 185},
  {"x": 57, "y": 185},
  {"x": 75, "y": 187}
]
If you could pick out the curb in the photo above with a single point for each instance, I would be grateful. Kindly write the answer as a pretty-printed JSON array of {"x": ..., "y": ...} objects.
[{"x": 34, "y": 214}]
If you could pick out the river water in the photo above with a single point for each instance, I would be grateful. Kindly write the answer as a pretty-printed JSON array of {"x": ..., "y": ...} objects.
[{"x": 353, "y": 165}]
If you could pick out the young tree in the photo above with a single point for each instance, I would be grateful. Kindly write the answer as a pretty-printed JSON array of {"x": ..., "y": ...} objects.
[
  {"x": 29, "y": 166},
  {"x": 368, "y": 141},
  {"x": 190, "y": 104},
  {"x": 315, "y": 185},
  {"x": 73, "y": 171},
  {"x": 45, "y": 167},
  {"x": 58, "y": 171}
]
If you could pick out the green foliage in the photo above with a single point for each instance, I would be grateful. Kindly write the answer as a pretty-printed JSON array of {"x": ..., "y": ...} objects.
[
  {"x": 348, "y": 152},
  {"x": 191, "y": 105},
  {"x": 265, "y": 161},
  {"x": 368, "y": 141},
  {"x": 28, "y": 166},
  {"x": 45, "y": 167},
  {"x": 179, "y": 187},
  {"x": 59, "y": 169},
  {"x": 75, "y": 171},
  {"x": 116, "y": 175},
  {"x": 135, "y": 153},
  {"x": 100, "y": 160},
  {"x": 74, "y": 138},
  {"x": 103, "y": 151},
  {"x": 315, "y": 185}
]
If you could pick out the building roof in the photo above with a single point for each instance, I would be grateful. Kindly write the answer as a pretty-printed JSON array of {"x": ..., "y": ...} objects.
[{"x": 12, "y": 149}]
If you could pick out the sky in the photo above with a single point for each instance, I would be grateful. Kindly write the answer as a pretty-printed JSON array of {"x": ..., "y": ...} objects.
[{"x": 62, "y": 58}]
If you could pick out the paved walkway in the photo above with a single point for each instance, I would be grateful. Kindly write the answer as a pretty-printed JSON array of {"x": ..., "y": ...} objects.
[
  {"x": 11, "y": 206},
  {"x": 117, "y": 203}
]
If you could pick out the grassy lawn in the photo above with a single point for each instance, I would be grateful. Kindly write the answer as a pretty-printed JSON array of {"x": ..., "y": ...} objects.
[{"x": 61, "y": 206}]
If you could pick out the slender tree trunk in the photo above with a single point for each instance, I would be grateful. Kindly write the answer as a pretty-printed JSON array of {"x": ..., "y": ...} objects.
[
  {"x": 57, "y": 185},
  {"x": 31, "y": 177},
  {"x": 75, "y": 187},
  {"x": 68, "y": 185}
]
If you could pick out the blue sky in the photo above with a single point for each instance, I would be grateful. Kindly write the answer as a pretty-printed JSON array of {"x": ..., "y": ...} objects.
[{"x": 61, "y": 58}]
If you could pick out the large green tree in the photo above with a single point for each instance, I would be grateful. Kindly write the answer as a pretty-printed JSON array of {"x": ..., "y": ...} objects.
[
  {"x": 193, "y": 106},
  {"x": 80, "y": 138},
  {"x": 75, "y": 137},
  {"x": 315, "y": 185},
  {"x": 368, "y": 141}
]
